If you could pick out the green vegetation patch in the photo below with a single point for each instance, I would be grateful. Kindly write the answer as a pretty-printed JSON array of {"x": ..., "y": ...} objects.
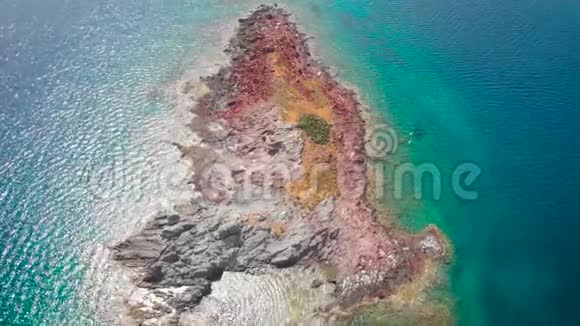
[{"x": 316, "y": 128}]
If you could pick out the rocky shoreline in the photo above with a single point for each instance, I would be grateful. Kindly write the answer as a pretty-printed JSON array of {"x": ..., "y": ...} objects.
[{"x": 281, "y": 176}]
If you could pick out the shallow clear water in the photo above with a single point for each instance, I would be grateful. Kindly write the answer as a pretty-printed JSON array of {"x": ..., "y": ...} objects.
[
  {"x": 86, "y": 151},
  {"x": 85, "y": 154}
]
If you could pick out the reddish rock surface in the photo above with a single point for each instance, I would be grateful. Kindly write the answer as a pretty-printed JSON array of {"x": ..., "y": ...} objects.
[
  {"x": 362, "y": 245},
  {"x": 313, "y": 208}
]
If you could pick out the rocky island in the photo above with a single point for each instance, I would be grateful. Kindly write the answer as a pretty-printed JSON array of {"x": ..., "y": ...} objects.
[{"x": 283, "y": 181}]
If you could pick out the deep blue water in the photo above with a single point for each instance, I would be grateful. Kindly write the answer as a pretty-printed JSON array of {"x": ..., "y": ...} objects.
[{"x": 492, "y": 82}]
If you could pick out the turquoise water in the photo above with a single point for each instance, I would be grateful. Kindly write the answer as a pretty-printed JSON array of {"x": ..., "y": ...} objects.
[{"x": 491, "y": 82}]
